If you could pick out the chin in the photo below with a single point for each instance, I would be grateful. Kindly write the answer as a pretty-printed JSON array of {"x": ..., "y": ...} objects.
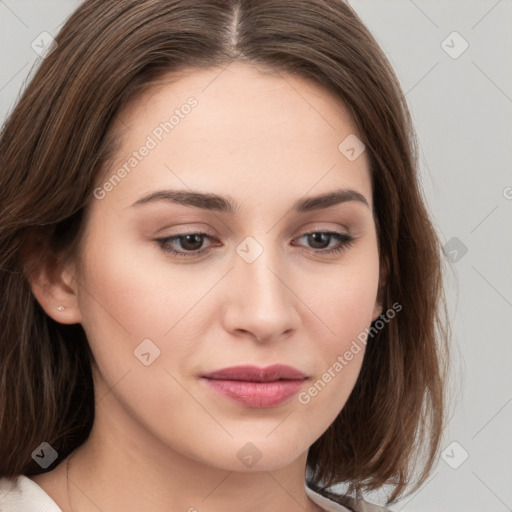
[{"x": 251, "y": 454}]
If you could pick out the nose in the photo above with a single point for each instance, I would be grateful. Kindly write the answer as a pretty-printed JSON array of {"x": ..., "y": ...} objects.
[{"x": 259, "y": 298}]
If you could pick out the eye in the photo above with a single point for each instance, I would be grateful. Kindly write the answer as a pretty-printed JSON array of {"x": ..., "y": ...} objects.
[
  {"x": 192, "y": 243},
  {"x": 322, "y": 237}
]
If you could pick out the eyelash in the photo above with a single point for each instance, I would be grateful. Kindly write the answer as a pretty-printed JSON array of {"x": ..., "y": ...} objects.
[{"x": 346, "y": 242}]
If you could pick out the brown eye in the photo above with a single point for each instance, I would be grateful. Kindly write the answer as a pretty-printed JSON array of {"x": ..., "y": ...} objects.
[
  {"x": 319, "y": 240},
  {"x": 191, "y": 244}
]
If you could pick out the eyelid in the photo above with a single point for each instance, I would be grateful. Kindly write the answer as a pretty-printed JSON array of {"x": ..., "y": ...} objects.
[
  {"x": 320, "y": 227},
  {"x": 314, "y": 229}
]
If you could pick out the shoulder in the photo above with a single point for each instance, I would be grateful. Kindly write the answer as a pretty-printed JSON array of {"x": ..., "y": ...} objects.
[
  {"x": 348, "y": 502},
  {"x": 21, "y": 494}
]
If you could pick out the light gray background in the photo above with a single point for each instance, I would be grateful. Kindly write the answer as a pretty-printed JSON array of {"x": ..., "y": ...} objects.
[{"x": 462, "y": 111}]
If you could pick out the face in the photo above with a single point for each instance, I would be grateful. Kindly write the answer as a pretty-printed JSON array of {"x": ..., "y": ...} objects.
[{"x": 255, "y": 280}]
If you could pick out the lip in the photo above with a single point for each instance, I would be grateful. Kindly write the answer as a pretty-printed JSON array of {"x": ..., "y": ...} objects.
[
  {"x": 252, "y": 373},
  {"x": 256, "y": 387}
]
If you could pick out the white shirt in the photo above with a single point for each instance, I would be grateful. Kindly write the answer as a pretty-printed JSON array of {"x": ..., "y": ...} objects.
[{"x": 24, "y": 495}]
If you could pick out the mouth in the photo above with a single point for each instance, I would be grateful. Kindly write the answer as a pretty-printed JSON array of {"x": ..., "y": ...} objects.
[{"x": 256, "y": 387}]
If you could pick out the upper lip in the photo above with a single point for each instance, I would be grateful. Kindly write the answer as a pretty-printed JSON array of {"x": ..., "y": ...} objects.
[{"x": 256, "y": 374}]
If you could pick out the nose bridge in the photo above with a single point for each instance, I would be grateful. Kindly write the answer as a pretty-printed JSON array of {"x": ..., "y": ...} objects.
[
  {"x": 263, "y": 303},
  {"x": 258, "y": 269}
]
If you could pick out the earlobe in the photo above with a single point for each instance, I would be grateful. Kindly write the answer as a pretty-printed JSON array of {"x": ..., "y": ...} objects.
[
  {"x": 377, "y": 311},
  {"x": 54, "y": 287}
]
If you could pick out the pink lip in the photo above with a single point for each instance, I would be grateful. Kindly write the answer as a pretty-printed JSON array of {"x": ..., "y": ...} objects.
[
  {"x": 256, "y": 374},
  {"x": 256, "y": 387}
]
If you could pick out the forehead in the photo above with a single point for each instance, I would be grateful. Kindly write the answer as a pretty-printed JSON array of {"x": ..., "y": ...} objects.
[{"x": 237, "y": 127}]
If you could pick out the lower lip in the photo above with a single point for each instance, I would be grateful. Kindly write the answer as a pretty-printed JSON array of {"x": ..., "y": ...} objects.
[{"x": 256, "y": 394}]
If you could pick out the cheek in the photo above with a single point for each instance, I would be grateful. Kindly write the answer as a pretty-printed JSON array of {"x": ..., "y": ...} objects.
[
  {"x": 344, "y": 304},
  {"x": 343, "y": 296},
  {"x": 131, "y": 290},
  {"x": 322, "y": 401},
  {"x": 347, "y": 313},
  {"x": 130, "y": 295}
]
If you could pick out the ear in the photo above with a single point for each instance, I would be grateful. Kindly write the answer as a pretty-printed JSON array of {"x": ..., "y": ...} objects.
[
  {"x": 383, "y": 276},
  {"x": 53, "y": 284}
]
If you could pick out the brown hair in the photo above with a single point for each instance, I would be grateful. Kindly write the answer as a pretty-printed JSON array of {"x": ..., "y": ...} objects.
[{"x": 57, "y": 140}]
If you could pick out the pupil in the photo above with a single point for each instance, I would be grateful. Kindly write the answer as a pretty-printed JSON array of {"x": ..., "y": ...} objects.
[
  {"x": 317, "y": 237},
  {"x": 190, "y": 238}
]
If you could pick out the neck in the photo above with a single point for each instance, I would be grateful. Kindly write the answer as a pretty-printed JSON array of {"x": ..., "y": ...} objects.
[{"x": 122, "y": 467}]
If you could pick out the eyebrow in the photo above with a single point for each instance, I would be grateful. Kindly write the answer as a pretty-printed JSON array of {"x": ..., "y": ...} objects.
[{"x": 214, "y": 202}]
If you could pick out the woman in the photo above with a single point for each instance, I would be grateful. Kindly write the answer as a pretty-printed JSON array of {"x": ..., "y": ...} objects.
[{"x": 221, "y": 286}]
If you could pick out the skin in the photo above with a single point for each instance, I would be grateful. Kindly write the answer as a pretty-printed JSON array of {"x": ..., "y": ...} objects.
[{"x": 160, "y": 434}]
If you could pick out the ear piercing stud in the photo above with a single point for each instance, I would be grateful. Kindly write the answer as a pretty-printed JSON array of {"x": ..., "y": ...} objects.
[{"x": 60, "y": 308}]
